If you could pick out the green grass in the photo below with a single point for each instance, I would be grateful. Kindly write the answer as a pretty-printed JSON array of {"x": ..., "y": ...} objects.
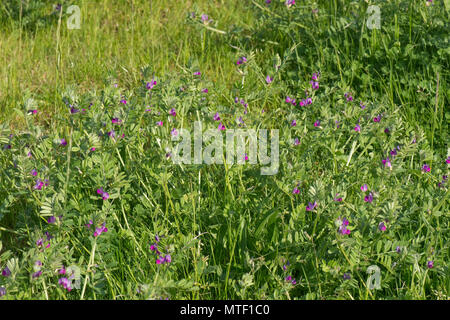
[{"x": 229, "y": 229}]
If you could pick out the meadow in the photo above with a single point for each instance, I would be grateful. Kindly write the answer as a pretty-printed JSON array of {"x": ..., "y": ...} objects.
[{"x": 92, "y": 205}]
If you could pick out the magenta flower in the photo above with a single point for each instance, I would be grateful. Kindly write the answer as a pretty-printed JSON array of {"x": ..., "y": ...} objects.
[
  {"x": 296, "y": 142},
  {"x": 63, "y": 142},
  {"x": 159, "y": 123},
  {"x": 116, "y": 121},
  {"x": 216, "y": 117},
  {"x": 105, "y": 195},
  {"x": 377, "y": 118},
  {"x": 269, "y": 79},
  {"x": 289, "y": 99},
  {"x": 293, "y": 123},
  {"x": 426, "y": 168},
  {"x": 296, "y": 191},
  {"x": 317, "y": 123},
  {"x": 198, "y": 73},
  {"x": 448, "y": 160},
  {"x": 174, "y": 132},
  {"x": 357, "y": 128},
  {"x": 302, "y": 103},
  {"x": 364, "y": 188},
  {"x": 34, "y": 111},
  {"x": 382, "y": 226},
  {"x": 430, "y": 264},
  {"x": 369, "y": 198},
  {"x": 362, "y": 105},
  {"x": 315, "y": 76},
  {"x": 205, "y": 90},
  {"x": 221, "y": 127},
  {"x": 34, "y": 172},
  {"x": 311, "y": 206},
  {"x": 337, "y": 199},
  {"x": 123, "y": 101}
]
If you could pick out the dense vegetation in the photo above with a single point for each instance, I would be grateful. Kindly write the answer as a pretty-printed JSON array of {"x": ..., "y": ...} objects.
[{"x": 93, "y": 207}]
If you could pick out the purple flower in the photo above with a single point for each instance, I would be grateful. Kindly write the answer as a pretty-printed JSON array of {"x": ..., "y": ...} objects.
[
  {"x": 221, "y": 127},
  {"x": 205, "y": 90},
  {"x": 123, "y": 101},
  {"x": 197, "y": 73},
  {"x": 311, "y": 206},
  {"x": 346, "y": 276},
  {"x": 430, "y": 264},
  {"x": 241, "y": 60},
  {"x": 369, "y": 198},
  {"x": 65, "y": 283},
  {"x": 382, "y": 226},
  {"x": 337, "y": 199},
  {"x": 296, "y": 142},
  {"x": 289, "y": 3},
  {"x": 448, "y": 160},
  {"x": 205, "y": 19},
  {"x": 314, "y": 84},
  {"x": 74, "y": 110},
  {"x": 348, "y": 96},
  {"x": 293, "y": 123},
  {"x": 362, "y": 105},
  {"x": 216, "y": 117},
  {"x": 6, "y": 272},
  {"x": 317, "y": 123},
  {"x": 37, "y": 274},
  {"x": 269, "y": 79},
  {"x": 343, "y": 227},
  {"x": 116, "y": 121},
  {"x": 40, "y": 242},
  {"x": 151, "y": 84},
  {"x": 174, "y": 132},
  {"x": 289, "y": 99},
  {"x": 398, "y": 249},
  {"x": 159, "y": 123},
  {"x": 51, "y": 219},
  {"x": 34, "y": 172},
  {"x": 62, "y": 270},
  {"x": 357, "y": 128},
  {"x": 100, "y": 230},
  {"x": 387, "y": 162},
  {"x": 63, "y": 142},
  {"x": 426, "y": 168},
  {"x": 39, "y": 184},
  {"x": 2, "y": 291},
  {"x": 315, "y": 76},
  {"x": 105, "y": 195},
  {"x": 296, "y": 191},
  {"x": 377, "y": 118},
  {"x": 34, "y": 111},
  {"x": 364, "y": 188}
]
